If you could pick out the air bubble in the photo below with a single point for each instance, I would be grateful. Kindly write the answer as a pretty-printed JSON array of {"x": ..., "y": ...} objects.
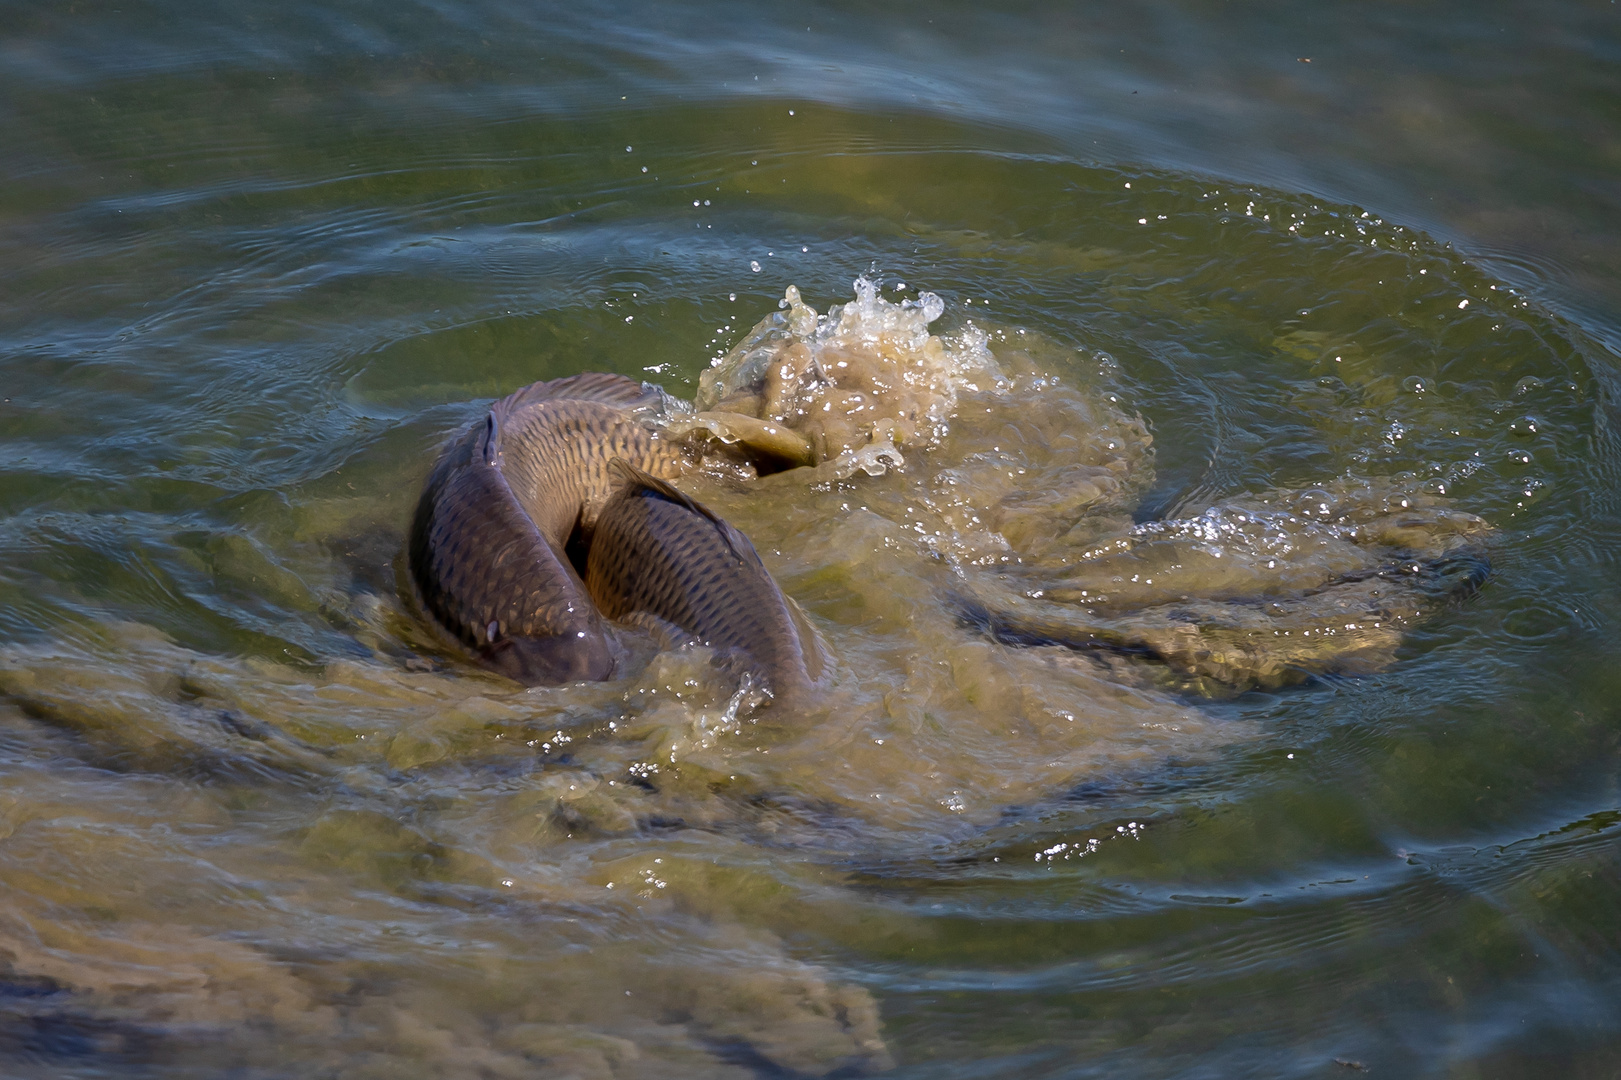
[
  {"x": 1414, "y": 385},
  {"x": 754, "y": 265}
]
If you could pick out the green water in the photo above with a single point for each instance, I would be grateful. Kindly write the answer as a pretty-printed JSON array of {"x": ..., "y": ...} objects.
[{"x": 256, "y": 263}]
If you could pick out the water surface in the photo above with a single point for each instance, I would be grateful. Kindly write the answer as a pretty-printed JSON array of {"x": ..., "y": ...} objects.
[{"x": 257, "y": 264}]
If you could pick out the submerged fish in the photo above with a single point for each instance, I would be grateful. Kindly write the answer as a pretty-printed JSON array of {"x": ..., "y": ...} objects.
[{"x": 565, "y": 475}]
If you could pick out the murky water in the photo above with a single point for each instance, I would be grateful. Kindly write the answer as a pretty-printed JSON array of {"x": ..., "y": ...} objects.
[{"x": 1212, "y": 349}]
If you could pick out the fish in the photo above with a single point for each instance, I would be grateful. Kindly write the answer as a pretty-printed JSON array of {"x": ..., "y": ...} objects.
[
  {"x": 557, "y": 484},
  {"x": 657, "y": 551}
]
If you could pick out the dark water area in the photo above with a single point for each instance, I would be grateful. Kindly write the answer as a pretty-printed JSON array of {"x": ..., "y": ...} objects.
[{"x": 256, "y": 261}]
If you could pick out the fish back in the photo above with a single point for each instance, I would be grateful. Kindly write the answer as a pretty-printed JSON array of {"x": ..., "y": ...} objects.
[
  {"x": 659, "y": 552},
  {"x": 555, "y": 454}
]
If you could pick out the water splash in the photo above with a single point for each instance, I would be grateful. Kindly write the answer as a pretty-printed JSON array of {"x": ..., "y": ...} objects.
[{"x": 856, "y": 386}]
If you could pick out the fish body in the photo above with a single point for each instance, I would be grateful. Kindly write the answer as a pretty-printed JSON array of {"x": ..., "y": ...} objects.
[
  {"x": 489, "y": 545},
  {"x": 565, "y": 477},
  {"x": 658, "y": 552}
]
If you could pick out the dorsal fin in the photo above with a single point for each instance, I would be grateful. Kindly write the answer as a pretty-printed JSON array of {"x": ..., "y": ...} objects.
[
  {"x": 600, "y": 386},
  {"x": 492, "y": 437},
  {"x": 634, "y": 478}
]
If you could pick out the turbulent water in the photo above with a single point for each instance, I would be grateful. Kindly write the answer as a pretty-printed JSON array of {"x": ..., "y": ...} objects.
[{"x": 256, "y": 820}]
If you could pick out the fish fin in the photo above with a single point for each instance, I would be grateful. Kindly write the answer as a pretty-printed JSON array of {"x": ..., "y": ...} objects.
[
  {"x": 666, "y": 633},
  {"x": 810, "y": 642},
  {"x": 492, "y": 437},
  {"x": 634, "y": 479},
  {"x": 600, "y": 386},
  {"x": 597, "y": 386}
]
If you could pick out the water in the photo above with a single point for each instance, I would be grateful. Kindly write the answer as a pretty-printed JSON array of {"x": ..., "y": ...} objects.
[{"x": 258, "y": 262}]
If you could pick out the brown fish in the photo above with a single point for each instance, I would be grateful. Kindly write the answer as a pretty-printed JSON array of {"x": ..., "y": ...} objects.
[
  {"x": 488, "y": 550},
  {"x": 514, "y": 511},
  {"x": 657, "y": 551}
]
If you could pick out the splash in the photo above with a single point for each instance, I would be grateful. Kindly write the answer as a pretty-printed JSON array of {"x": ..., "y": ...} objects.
[{"x": 856, "y": 386}]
